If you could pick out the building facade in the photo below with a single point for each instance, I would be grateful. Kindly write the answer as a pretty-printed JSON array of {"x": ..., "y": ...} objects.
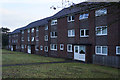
[{"x": 77, "y": 32}]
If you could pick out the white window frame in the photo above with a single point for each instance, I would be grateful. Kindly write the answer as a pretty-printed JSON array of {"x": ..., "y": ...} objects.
[
  {"x": 101, "y": 31},
  {"x": 22, "y": 38},
  {"x": 71, "y": 18},
  {"x": 28, "y": 38},
  {"x": 52, "y": 47},
  {"x": 101, "y": 12},
  {"x": 53, "y": 35},
  {"x": 46, "y": 48},
  {"x": 46, "y": 37},
  {"x": 32, "y": 39},
  {"x": 101, "y": 50},
  {"x": 68, "y": 47},
  {"x": 117, "y": 50},
  {"x": 32, "y": 30},
  {"x": 84, "y": 33},
  {"x": 22, "y": 46},
  {"x": 71, "y": 33},
  {"x": 22, "y": 32},
  {"x": 54, "y": 22},
  {"x": 61, "y": 48},
  {"x": 41, "y": 47},
  {"x": 46, "y": 27},
  {"x": 84, "y": 16}
]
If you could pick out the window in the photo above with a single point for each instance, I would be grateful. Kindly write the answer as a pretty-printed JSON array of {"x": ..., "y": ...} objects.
[
  {"x": 83, "y": 16},
  {"x": 53, "y": 47},
  {"x": 71, "y": 33},
  {"x": 41, "y": 47},
  {"x": 117, "y": 49},
  {"x": 37, "y": 48},
  {"x": 101, "y": 12},
  {"x": 54, "y": 22},
  {"x": 32, "y": 39},
  {"x": 37, "y": 38},
  {"x": 46, "y": 37},
  {"x": 102, "y": 50},
  {"x": 28, "y": 38},
  {"x": 70, "y": 18},
  {"x": 69, "y": 47},
  {"x": 61, "y": 46},
  {"x": 32, "y": 30},
  {"x": 22, "y": 46},
  {"x": 46, "y": 48},
  {"x": 28, "y": 30},
  {"x": 101, "y": 30},
  {"x": 22, "y": 32},
  {"x": 84, "y": 33},
  {"x": 46, "y": 27},
  {"x": 22, "y": 38},
  {"x": 37, "y": 29},
  {"x": 53, "y": 34}
]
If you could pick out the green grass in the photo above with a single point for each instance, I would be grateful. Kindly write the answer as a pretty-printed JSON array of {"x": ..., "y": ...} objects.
[
  {"x": 11, "y": 57},
  {"x": 56, "y": 70}
]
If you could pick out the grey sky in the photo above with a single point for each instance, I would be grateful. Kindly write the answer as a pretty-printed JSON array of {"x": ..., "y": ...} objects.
[{"x": 19, "y": 13}]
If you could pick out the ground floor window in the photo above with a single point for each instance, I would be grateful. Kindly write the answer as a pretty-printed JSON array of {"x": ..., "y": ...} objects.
[
  {"x": 22, "y": 46},
  {"x": 37, "y": 48},
  {"x": 46, "y": 48},
  {"x": 61, "y": 46},
  {"x": 102, "y": 50},
  {"x": 53, "y": 47},
  {"x": 69, "y": 47},
  {"x": 41, "y": 47},
  {"x": 117, "y": 49}
]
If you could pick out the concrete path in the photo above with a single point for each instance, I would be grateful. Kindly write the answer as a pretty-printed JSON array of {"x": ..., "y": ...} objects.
[{"x": 67, "y": 61}]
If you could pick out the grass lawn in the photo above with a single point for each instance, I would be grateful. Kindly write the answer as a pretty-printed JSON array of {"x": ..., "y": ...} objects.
[
  {"x": 11, "y": 57},
  {"x": 57, "y": 70}
]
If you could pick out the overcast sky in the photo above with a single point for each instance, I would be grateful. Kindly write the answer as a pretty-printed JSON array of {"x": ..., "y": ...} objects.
[{"x": 18, "y": 13}]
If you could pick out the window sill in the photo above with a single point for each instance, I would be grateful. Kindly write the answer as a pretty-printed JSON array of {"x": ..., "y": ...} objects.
[
  {"x": 53, "y": 49},
  {"x": 69, "y": 51},
  {"x": 101, "y": 54},
  {"x": 71, "y": 36},
  {"x": 53, "y": 37},
  {"x": 71, "y": 21},
  {"x": 53, "y": 24},
  {"x": 101, "y": 34},
  {"x": 84, "y": 36}
]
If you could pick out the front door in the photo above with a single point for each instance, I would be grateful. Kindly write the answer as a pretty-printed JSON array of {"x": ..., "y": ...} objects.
[
  {"x": 79, "y": 52},
  {"x": 14, "y": 47}
]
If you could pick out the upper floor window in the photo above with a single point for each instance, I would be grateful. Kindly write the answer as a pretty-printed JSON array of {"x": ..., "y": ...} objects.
[
  {"x": 84, "y": 33},
  {"x": 53, "y": 47},
  {"x": 83, "y": 16},
  {"x": 71, "y": 33},
  {"x": 37, "y": 29},
  {"x": 54, "y": 22},
  {"x": 28, "y": 38},
  {"x": 28, "y": 30},
  {"x": 61, "y": 46},
  {"x": 53, "y": 34},
  {"x": 117, "y": 49},
  {"x": 46, "y": 27},
  {"x": 32, "y": 30},
  {"x": 32, "y": 39},
  {"x": 70, "y": 18},
  {"x": 69, "y": 47},
  {"x": 46, "y": 37},
  {"x": 101, "y": 12},
  {"x": 46, "y": 48},
  {"x": 102, "y": 50},
  {"x": 41, "y": 47},
  {"x": 37, "y": 38},
  {"x": 101, "y": 30},
  {"x": 22, "y": 31},
  {"x": 22, "y": 38}
]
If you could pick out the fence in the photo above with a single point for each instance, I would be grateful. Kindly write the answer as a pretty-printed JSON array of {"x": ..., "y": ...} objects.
[{"x": 113, "y": 61}]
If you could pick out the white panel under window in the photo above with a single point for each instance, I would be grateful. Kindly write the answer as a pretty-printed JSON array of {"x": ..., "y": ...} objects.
[
  {"x": 101, "y": 50},
  {"x": 69, "y": 47},
  {"x": 61, "y": 46},
  {"x": 117, "y": 49},
  {"x": 101, "y": 12},
  {"x": 71, "y": 33}
]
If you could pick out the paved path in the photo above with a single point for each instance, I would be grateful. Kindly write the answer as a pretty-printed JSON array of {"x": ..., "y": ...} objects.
[{"x": 67, "y": 61}]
